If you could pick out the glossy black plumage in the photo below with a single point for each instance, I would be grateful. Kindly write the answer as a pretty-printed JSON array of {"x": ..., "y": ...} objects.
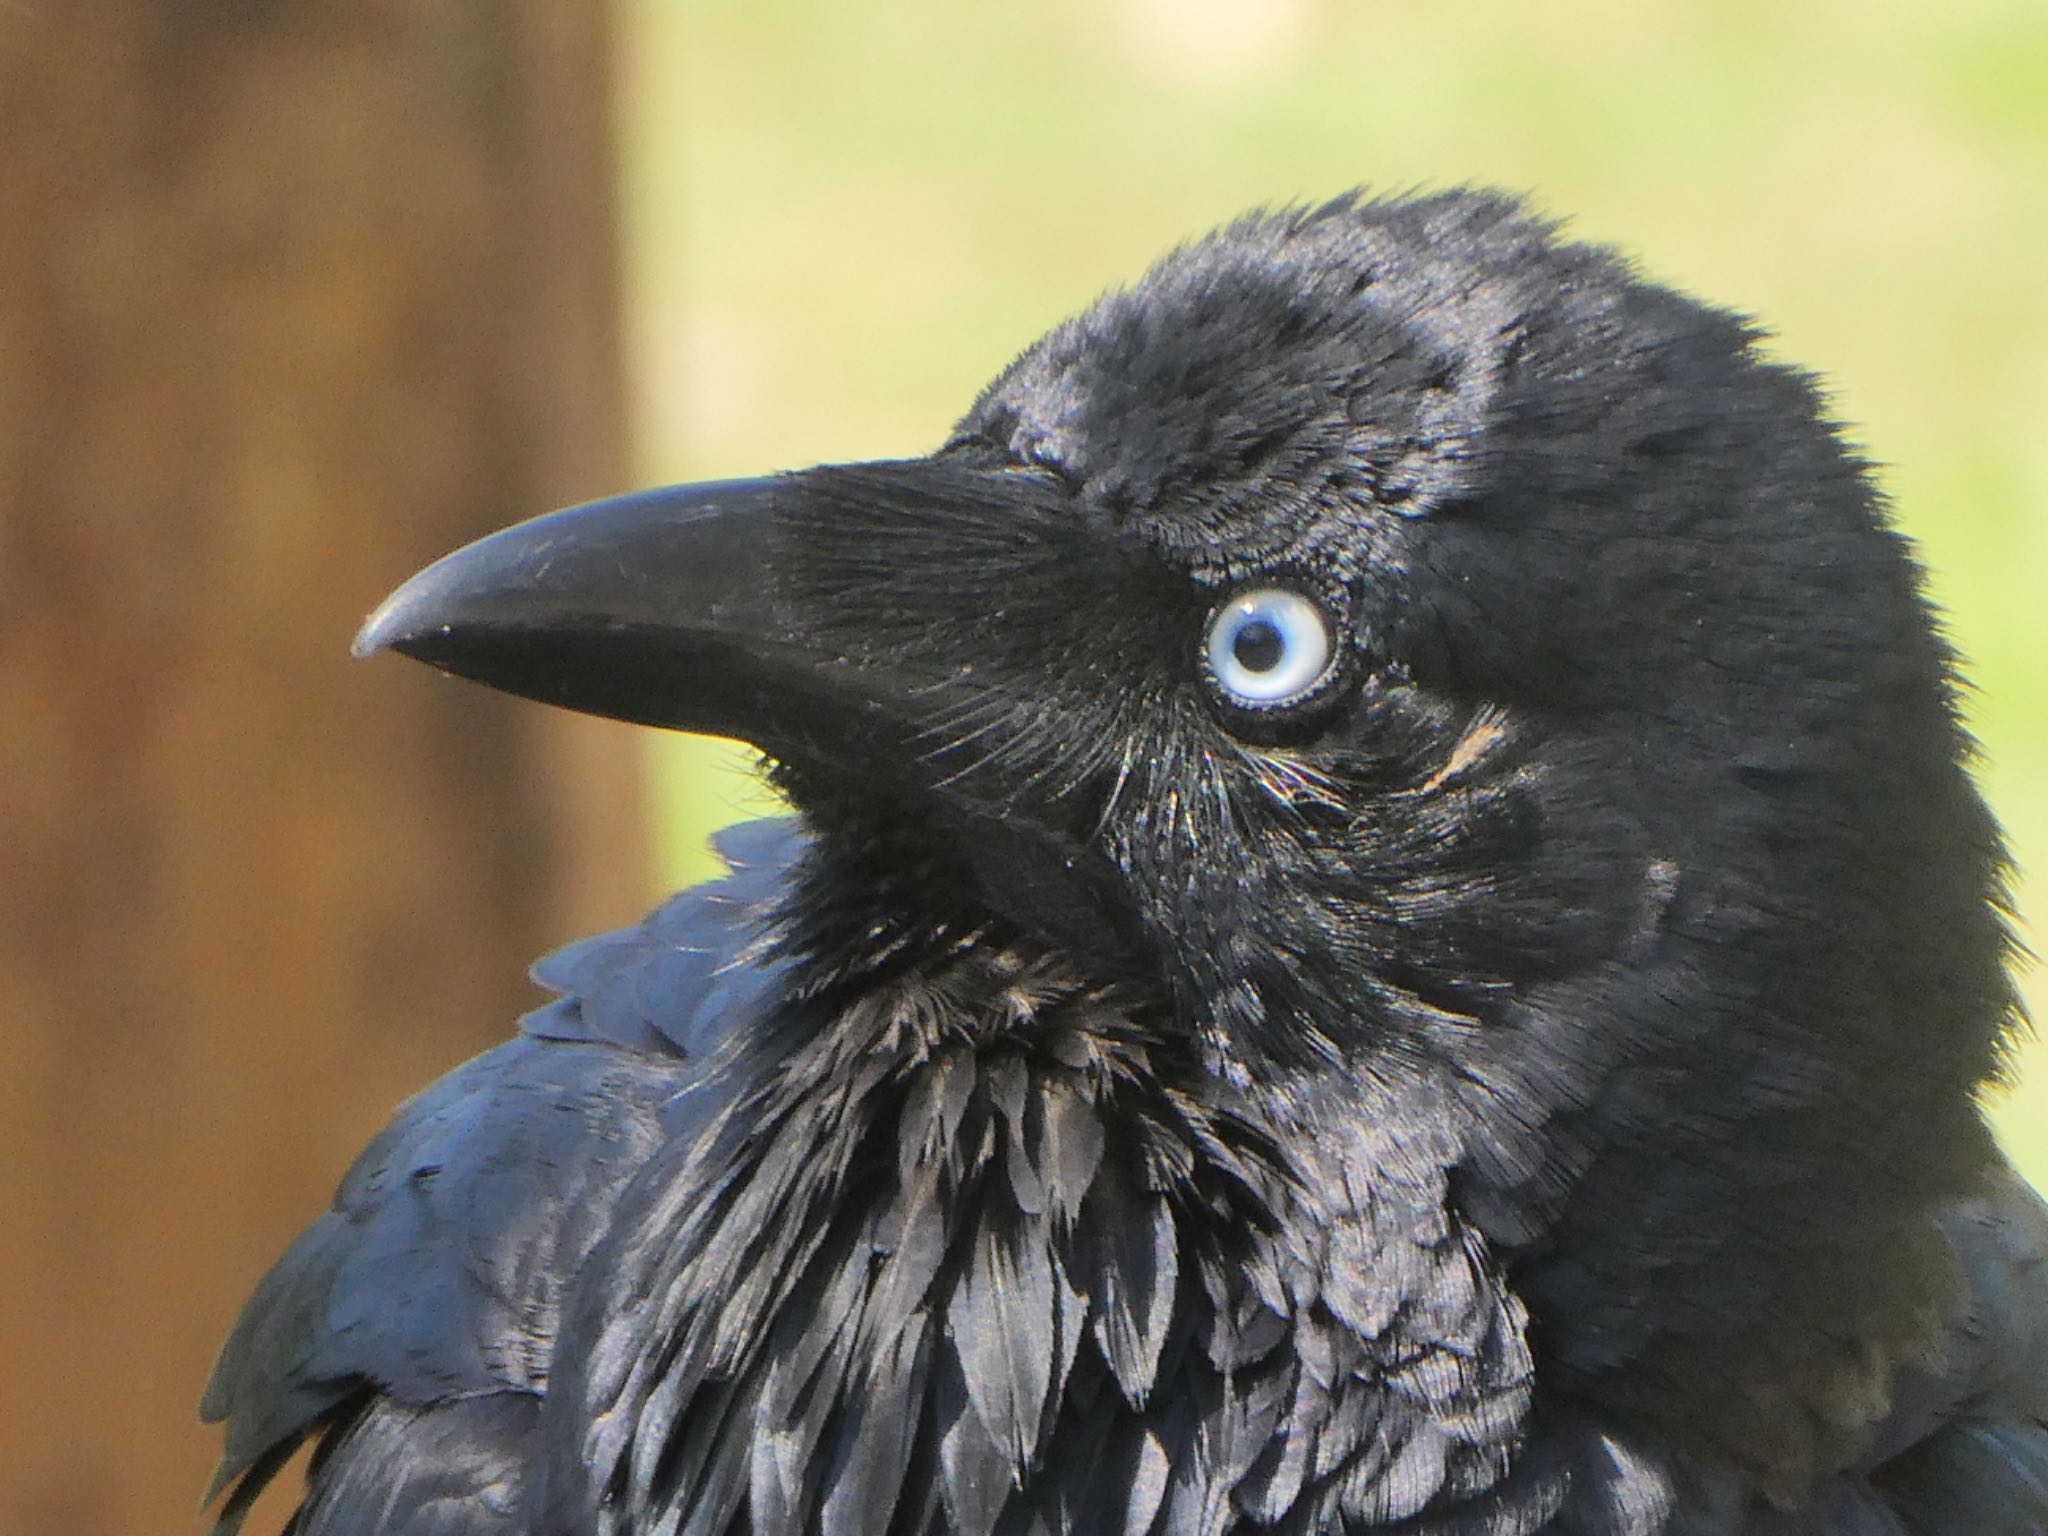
[{"x": 1522, "y": 1084}]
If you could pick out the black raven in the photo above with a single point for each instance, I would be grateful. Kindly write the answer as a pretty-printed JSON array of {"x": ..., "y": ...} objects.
[{"x": 1386, "y": 932}]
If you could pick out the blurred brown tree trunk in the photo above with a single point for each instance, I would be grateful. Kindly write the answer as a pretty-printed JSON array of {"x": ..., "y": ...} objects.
[{"x": 292, "y": 298}]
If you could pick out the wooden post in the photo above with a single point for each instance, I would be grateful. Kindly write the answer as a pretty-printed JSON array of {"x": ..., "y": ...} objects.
[{"x": 293, "y": 297}]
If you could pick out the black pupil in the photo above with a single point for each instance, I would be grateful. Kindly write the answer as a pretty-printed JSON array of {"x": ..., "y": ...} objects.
[{"x": 1258, "y": 645}]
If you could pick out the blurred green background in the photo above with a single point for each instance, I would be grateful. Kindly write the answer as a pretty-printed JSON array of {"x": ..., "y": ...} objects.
[{"x": 843, "y": 218}]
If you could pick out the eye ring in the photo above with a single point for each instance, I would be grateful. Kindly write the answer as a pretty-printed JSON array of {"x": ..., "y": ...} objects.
[{"x": 1267, "y": 647}]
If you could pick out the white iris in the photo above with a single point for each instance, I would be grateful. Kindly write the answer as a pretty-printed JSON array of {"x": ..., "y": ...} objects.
[{"x": 1268, "y": 645}]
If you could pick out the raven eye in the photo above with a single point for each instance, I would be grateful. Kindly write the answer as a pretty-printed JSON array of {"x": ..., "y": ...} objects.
[{"x": 1268, "y": 646}]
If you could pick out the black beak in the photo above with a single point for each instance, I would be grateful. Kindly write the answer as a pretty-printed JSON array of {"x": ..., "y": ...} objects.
[
  {"x": 807, "y": 613},
  {"x": 650, "y": 607}
]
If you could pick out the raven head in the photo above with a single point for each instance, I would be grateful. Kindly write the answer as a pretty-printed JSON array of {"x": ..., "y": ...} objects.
[
  {"x": 1409, "y": 647},
  {"x": 1375, "y": 615}
]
